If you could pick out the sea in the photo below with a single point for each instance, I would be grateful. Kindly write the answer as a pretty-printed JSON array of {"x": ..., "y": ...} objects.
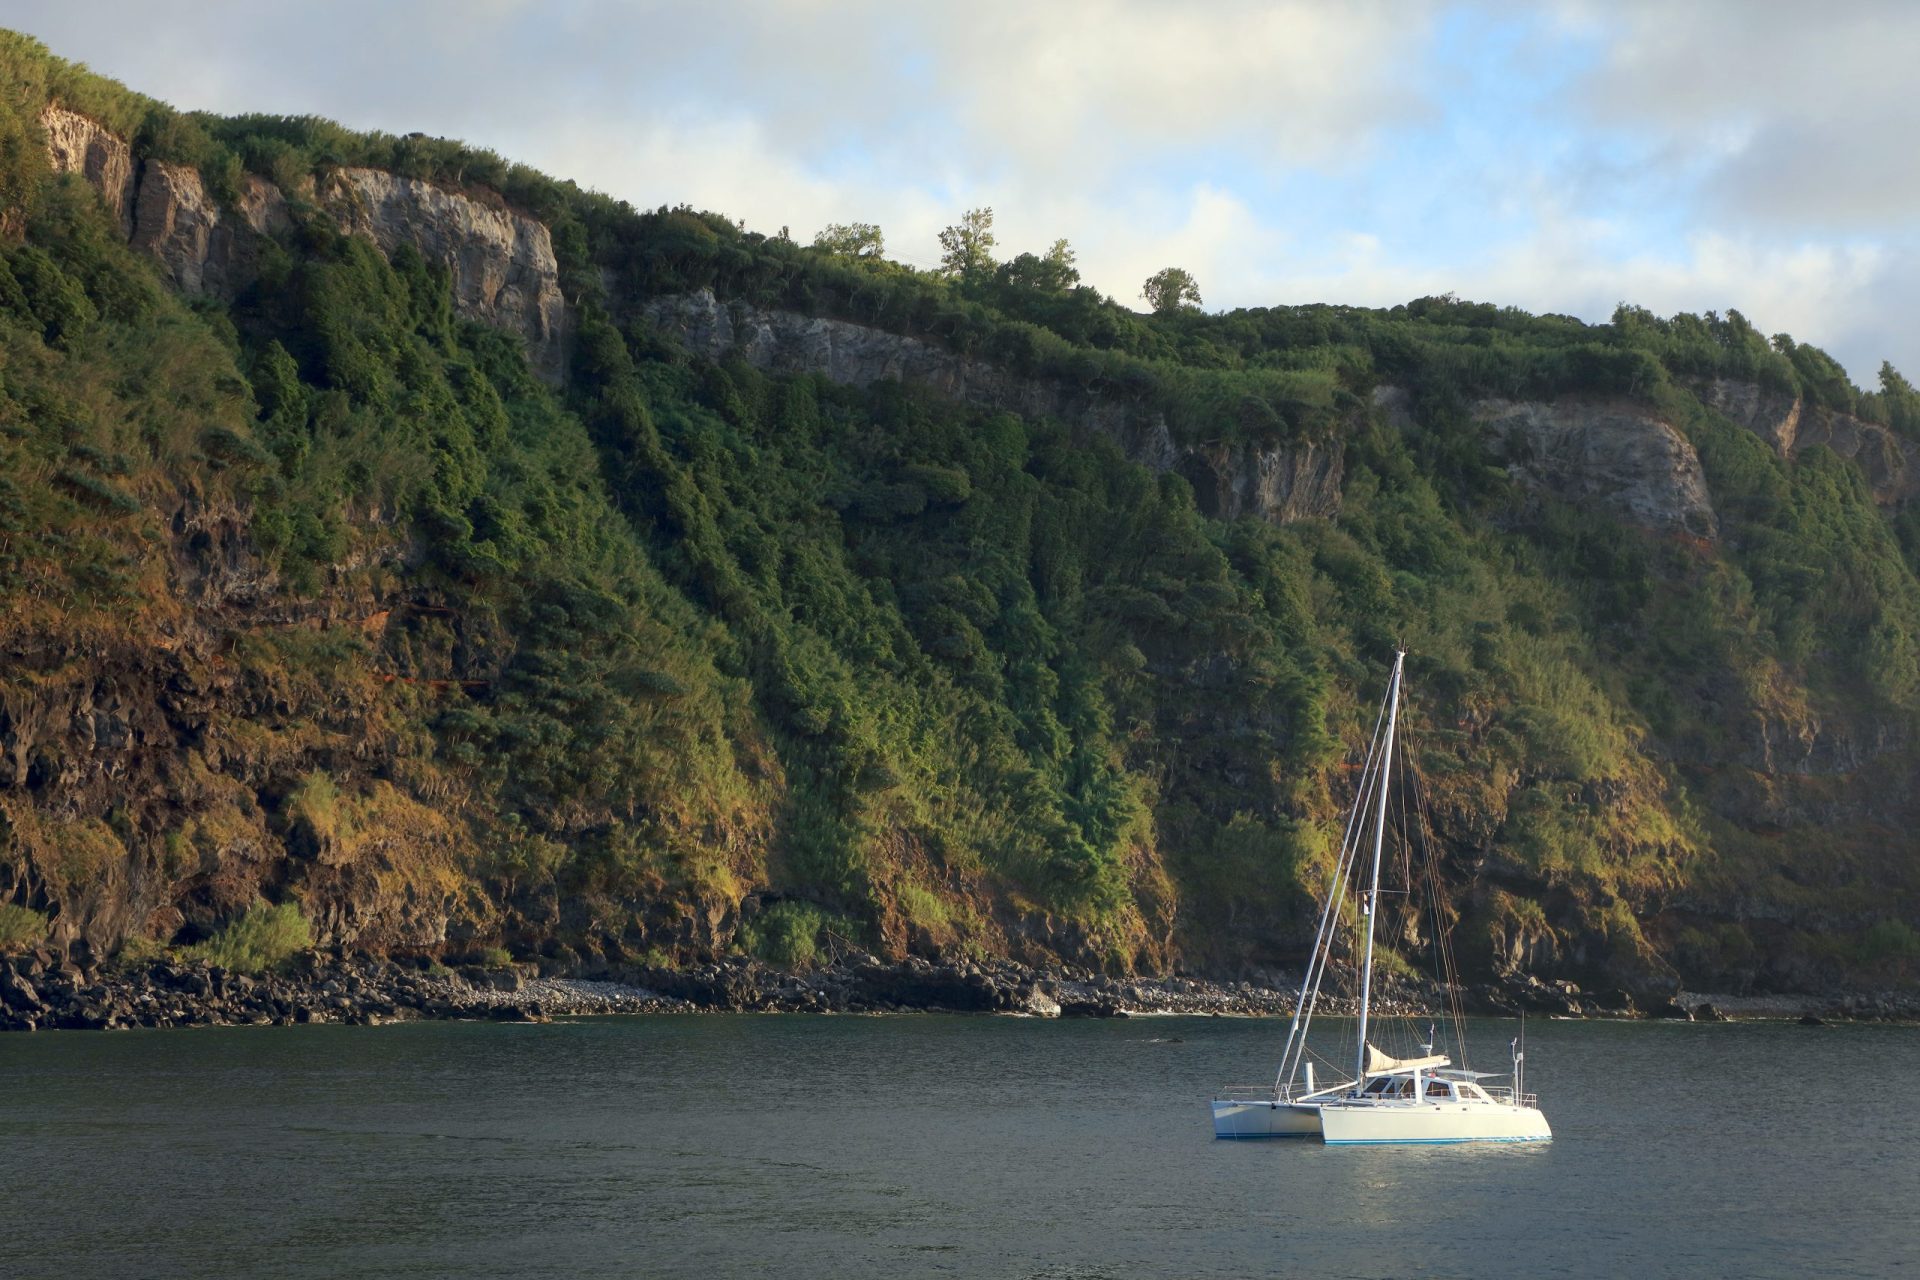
[{"x": 928, "y": 1145}]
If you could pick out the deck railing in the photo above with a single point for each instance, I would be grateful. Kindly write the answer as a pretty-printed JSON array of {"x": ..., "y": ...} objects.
[{"x": 1504, "y": 1093}]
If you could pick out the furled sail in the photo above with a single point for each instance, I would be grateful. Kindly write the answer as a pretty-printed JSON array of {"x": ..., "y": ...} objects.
[{"x": 1379, "y": 1064}]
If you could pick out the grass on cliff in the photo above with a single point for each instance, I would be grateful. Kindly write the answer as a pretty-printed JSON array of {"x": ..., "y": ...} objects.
[
  {"x": 264, "y": 938},
  {"x": 21, "y": 928}
]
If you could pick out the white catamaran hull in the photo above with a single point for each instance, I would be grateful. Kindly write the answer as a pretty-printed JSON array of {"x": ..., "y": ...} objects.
[
  {"x": 1255, "y": 1118},
  {"x": 1427, "y": 1122}
]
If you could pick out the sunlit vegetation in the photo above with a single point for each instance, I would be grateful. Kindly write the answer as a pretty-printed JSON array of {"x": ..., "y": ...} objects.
[
  {"x": 595, "y": 665},
  {"x": 264, "y": 938}
]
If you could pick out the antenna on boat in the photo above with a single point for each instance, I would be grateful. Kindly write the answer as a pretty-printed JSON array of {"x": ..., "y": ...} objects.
[{"x": 1517, "y": 1048}]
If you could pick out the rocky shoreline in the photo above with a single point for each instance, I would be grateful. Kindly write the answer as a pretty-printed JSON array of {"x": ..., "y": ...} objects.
[{"x": 43, "y": 990}]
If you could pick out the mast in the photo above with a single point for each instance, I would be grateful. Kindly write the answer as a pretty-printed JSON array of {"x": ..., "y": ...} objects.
[
  {"x": 1373, "y": 893},
  {"x": 1295, "y": 1054}
]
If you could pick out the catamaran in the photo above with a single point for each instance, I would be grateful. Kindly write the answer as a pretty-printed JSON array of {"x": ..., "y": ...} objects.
[{"x": 1419, "y": 1099}]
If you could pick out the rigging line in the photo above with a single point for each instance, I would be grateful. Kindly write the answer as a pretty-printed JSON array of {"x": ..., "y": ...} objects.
[
  {"x": 1443, "y": 929},
  {"x": 1398, "y": 1031},
  {"x": 1323, "y": 935},
  {"x": 1317, "y": 964},
  {"x": 1442, "y": 969},
  {"x": 1372, "y": 772}
]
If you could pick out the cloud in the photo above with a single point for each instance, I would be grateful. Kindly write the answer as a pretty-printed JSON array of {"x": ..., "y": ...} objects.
[
  {"x": 1795, "y": 115},
  {"x": 1277, "y": 84}
]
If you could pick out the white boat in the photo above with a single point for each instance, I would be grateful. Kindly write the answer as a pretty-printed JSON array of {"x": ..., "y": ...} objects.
[
  {"x": 1422, "y": 1099},
  {"x": 1427, "y": 1101},
  {"x": 1270, "y": 1110}
]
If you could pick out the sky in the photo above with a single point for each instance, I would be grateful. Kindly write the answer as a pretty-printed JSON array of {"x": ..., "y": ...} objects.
[{"x": 1562, "y": 157}]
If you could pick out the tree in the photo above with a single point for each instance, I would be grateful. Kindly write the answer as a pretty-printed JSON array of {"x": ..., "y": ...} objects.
[
  {"x": 1169, "y": 290},
  {"x": 851, "y": 240},
  {"x": 966, "y": 248},
  {"x": 1902, "y": 401},
  {"x": 1060, "y": 262},
  {"x": 1054, "y": 273}
]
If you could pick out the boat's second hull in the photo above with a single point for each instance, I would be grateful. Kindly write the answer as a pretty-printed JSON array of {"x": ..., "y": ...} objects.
[
  {"x": 1257, "y": 1118},
  {"x": 1352, "y": 1123}
]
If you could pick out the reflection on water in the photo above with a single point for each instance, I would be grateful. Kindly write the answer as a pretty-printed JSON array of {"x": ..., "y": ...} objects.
[{"x": 806, "y": 1146}]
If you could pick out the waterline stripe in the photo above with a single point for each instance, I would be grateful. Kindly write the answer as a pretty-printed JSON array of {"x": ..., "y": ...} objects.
[{"x": 1425, "y": 1142}]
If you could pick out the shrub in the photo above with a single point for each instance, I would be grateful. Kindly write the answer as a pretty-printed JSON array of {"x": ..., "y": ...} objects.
[
  {"x": 20, "y": 928},
  {"x": 137, "y": 951},
  {"x": 1885, "y": 940},
  {"x": 264, "y": 938},
  {"x": 787, "y": 934},
  {"x": 925, "y": 908}
]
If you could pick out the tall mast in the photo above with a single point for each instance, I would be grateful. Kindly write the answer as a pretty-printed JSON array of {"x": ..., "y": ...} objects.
[{"x": 1373, "y": 894}]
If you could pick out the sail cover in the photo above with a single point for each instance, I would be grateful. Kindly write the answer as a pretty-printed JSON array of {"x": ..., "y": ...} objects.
[{"x": 1379, "y": 1064}]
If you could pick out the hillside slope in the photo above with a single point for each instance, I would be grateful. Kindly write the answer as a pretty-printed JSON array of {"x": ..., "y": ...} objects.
[{"x": 475, "y": 563}]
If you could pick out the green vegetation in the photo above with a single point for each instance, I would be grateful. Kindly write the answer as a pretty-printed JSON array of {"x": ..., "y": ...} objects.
[
  {"x": 851, "y": 240},
  {"x": 1170, "y": 290},
  {"x": 966, "y": 247},
  {"x": 590, "y": 670},
  {"x": 266, "y": 937},
  {"x": 20, "y": 928},
  {"x": 787, "y": 934}
]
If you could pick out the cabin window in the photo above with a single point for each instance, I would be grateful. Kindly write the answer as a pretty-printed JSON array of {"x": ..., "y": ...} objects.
[
  {"x": 1474, "y": 1091},
  {"x": 1438, "y": 1089},
  {"x": 1380, "y": 1086}
]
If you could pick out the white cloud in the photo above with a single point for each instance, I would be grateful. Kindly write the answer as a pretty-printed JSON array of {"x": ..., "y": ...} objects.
[
  {"x": 1802, "y": 115},
  {"x": 1080, "y": 80}
]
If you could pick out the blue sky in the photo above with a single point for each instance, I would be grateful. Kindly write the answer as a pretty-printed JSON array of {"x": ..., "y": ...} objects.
[{"x": 1747, "y": 154}]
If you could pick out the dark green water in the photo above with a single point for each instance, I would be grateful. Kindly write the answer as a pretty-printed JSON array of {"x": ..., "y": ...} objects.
[{"x": 801, "y": 1146}]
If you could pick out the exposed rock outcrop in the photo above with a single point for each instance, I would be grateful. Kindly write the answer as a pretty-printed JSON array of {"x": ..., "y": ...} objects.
[
  {"x": 77, "y": 144},
  {"x": 1613, "y": 454},
  {"x": 1289, "y": 482},
  {"x": 1891, "y": 465},
  {"x": 1292, "y": 483},
  {"x": 502, "y": 262},
  {"x": 1772, "y": 415},
  {"x": 205, "y": 248}
]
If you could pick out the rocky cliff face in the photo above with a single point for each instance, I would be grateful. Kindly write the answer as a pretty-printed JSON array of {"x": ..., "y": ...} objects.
[
  {"x": 502, "y": 262},
  {"x": 189, "y": 746},
  {"x": 1280, "y": 484},
  {"x": 1890, "y": 464},
  {"x": 79, "y": 145},
  {"x": 205, "y": 248},
  {"x": 1611, "y": 454}
]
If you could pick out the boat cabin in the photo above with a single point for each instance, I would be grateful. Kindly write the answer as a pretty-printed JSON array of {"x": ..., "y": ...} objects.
[{"x": 1434, "y": 1089}]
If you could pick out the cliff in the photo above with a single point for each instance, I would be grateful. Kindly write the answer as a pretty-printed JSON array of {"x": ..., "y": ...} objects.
[
  {"x": 1890, "y": 463},
  {"x": 1614, "y": 455},
  {"x": 1278, "y": 484},
  {"x": 501, "y": 262},
  {"x": 327, "y": 603},
  {"x": 205, "y": 248},
  {"x": 76, "y": 144}
]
